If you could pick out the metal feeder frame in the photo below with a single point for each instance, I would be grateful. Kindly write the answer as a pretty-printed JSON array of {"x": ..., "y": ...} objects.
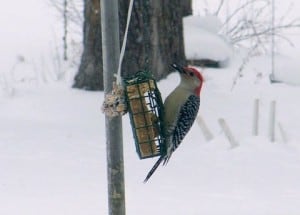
[{"x": 146, "y": 110}]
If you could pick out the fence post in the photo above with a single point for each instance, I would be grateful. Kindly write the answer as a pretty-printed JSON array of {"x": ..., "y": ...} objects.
[
  {"x": 255, "y": 117},
  {"x": 205, "y": 130},
  {"x": 228, "y": 133},
  {"x": 272, "y": 120},
  {"x": 282, "y": 132}
]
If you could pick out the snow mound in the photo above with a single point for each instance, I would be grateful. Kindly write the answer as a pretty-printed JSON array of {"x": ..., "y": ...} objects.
[
  {"x": 287, "y": 70},
  {"x": 201, "y": 40}
]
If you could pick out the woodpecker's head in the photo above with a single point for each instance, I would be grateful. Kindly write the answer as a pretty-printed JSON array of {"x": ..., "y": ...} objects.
[{"x": 191, "y": 78}]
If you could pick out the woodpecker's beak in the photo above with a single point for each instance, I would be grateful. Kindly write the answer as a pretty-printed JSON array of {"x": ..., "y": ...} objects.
[{"x": 180, "y": 69}]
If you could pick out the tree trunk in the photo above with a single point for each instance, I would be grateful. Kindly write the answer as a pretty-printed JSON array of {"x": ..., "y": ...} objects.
[
  {"x": 90, "y": 76},
  {"x": 155, "y": 39}
]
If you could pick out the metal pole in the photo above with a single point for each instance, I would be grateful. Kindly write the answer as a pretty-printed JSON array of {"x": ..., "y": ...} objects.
[
  {"x": 227, "y": 15},
  {"x": 114, "y": 143},
  {"x": 273, "y": 41}
]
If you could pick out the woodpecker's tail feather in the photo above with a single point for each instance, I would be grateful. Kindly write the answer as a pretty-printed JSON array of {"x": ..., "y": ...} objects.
[
  {"x": 154, "y": 168},
  {"x": 166, "y": 159}
]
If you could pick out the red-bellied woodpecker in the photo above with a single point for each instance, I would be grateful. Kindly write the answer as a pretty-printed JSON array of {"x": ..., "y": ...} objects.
[{"x": 181, "y": 108}]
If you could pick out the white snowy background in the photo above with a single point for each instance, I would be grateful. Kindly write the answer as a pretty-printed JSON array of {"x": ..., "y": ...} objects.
[{"x": 52, "y": 139}]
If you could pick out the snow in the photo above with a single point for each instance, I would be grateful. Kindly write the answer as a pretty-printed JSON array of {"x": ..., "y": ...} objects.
[
  {"x": 203, "y": 42},
  {"x": 53, "y": 155},
  {"x": 53, "y": 152},
  {"x": 208, "y": 22},
  {"x": 287, "y": 70}
]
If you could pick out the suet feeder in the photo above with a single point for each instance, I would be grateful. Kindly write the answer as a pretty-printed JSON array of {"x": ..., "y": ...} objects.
[{"x": 145, "y": 110}]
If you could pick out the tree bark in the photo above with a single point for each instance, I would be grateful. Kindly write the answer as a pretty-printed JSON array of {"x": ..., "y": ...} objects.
[
  {"x": 90, "y": 73},
  {"x": 155, "y": 39}
]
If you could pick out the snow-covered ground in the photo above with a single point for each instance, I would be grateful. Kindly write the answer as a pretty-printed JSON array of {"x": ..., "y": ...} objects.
[{"x": 53, "y": 158}]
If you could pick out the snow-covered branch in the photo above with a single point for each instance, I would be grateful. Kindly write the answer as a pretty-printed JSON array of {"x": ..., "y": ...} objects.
[{"x": 251, "y": 20}]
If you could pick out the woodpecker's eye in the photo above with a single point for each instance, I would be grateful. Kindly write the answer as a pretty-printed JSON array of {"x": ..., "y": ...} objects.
[{"x": 191, "y": 74}]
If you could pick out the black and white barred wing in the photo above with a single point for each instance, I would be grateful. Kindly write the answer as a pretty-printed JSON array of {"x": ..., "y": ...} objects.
[{"x": 186, "y": 118}]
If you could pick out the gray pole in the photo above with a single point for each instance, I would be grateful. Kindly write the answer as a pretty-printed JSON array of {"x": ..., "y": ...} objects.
[
  {"x": 114, "y": 143},
  {"x": 273, "y": 41}
]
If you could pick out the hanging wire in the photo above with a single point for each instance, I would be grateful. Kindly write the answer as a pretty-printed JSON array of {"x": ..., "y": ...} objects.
[
  {"x": 119, "y": 78},
  {"x": 147, "y": 33}
]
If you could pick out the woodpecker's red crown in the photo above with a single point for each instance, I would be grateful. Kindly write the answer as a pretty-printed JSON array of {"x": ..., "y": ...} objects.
[
  {"x": 191, "y": 78},
  {"x": 193, "y": 73}
]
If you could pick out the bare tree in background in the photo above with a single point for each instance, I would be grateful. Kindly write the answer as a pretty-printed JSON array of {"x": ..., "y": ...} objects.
[
  {"x": 155, "y": 39},
  {"x": 249, "y": 23},
  {"x": 89, "y": 76},
  {"x": 70, "y": 11},
  {"x": 73, "y": 7},
  {"x": 65, "y": 37}
]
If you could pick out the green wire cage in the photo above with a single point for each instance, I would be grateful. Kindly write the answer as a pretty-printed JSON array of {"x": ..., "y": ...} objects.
[{"x": 145, "y": 110}]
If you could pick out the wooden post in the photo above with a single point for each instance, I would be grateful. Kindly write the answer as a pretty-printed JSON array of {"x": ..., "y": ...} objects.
[
  {"x": 282, "y": 133},
  {"x": 255, "y": 117},
  {"x": 272, "y": 120},
  {"x": 228, "y": 133},
  {"x": 205, "y": 130},
  {"x": 114, "y": 143}
]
